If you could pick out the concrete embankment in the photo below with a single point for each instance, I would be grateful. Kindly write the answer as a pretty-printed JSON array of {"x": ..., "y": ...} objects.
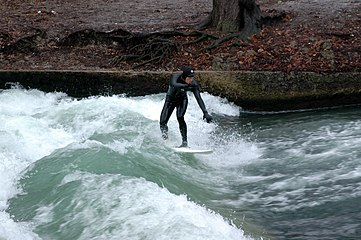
[{"x": 255, "y": 91}]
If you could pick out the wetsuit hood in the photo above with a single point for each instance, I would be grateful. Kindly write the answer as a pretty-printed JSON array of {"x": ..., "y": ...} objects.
[{"x": 187, "y": 72}]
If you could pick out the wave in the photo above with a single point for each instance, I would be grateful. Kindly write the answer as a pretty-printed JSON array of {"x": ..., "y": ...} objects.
[{"x": 97, "y": 168}]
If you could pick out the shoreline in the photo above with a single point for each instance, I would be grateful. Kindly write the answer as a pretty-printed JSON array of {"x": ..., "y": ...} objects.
[{"x": 250, "y": 90}]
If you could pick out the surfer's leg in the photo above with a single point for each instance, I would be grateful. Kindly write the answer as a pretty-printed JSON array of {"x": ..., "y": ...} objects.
[
  {"x": 183, "y": 131},
  {"x": 164, "y": 118},
  {"x": 181, "y": 110},
  {"x": 164, "y": 131}
]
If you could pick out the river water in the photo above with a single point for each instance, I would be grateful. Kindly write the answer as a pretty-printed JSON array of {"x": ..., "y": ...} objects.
[{"x": 97, "y": 168}]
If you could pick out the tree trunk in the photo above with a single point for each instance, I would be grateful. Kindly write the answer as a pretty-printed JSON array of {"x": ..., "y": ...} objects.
[{"x": 242, "y": 16}]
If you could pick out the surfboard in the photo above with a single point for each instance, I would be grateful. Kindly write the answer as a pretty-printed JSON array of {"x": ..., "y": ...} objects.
[{"x": 192, "y": 150}]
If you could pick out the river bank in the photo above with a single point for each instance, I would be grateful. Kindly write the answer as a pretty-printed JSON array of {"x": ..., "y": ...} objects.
[
  {"x": 254, "y": 91},
  {"x": 307, "y": 56},
  {"x": 307, "y": 36}
]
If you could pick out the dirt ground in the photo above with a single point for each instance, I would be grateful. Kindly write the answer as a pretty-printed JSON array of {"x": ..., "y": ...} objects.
[{"x": 312, "y": 35}]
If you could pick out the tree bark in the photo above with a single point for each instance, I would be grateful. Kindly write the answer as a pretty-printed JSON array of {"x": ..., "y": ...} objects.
[{"x": 242, "y": 16}]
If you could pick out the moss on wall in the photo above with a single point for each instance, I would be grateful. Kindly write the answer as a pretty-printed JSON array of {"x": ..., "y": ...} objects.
[{"x": 273, "y": 91}]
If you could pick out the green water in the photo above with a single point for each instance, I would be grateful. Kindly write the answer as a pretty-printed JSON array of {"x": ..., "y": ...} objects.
[{"x": 97, "y": 169}]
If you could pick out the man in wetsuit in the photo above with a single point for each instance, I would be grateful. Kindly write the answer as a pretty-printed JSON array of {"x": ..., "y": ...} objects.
[{"x": 177, "y": 98}]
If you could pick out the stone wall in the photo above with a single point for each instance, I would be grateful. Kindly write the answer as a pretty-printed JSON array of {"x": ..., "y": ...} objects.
[{"x": 256, "y": 91}]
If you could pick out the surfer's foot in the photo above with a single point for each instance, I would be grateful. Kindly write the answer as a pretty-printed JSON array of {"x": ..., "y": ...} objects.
[
  {"x": 184, "y": 144},
  {"x": 165, "y": 136}
]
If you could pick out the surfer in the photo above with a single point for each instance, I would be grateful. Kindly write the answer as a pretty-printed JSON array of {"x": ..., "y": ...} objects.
[{"x": 177, "y": 98}]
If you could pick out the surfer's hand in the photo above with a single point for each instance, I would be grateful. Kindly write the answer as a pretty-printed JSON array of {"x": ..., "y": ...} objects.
[
  {"x": 193, "y": 84},
  {"x": 207, "y": 117}
]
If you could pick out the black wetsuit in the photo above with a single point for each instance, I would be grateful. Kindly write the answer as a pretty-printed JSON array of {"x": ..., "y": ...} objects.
[{"x": 177, "y": 98}]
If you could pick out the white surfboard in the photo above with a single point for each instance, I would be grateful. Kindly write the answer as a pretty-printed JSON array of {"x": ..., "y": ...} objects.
[{"x": 192, "y": 150}]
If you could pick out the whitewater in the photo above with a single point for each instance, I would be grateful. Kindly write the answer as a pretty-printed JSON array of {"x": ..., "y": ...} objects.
[{"x": 97, "y": 168}]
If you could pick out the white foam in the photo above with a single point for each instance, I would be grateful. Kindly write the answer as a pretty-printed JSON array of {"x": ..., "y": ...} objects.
[
  {"x": 148, "y": 211},
  {"x": 34, "y": 124},
  {"x": 216, "y": 105},
  {"x": 24, "y": 138},
  {"x": 11, "y": 230}
]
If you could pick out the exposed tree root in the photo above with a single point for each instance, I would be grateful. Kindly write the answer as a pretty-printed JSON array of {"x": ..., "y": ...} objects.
[
  {"x": 152, "y": 49},
  {"x": 138, "y": 48},
  {"x": 157, "y": 47},
  {"x": 25, "y": 44},
  {"x": 219, "y": 41}
]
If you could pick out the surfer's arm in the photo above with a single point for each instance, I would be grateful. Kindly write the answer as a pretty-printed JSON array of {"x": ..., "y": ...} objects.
[
  {"x": 201, "y": 104},
  {"x": 200, "y": 101},
  {"x": 177, "y": 85}
]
